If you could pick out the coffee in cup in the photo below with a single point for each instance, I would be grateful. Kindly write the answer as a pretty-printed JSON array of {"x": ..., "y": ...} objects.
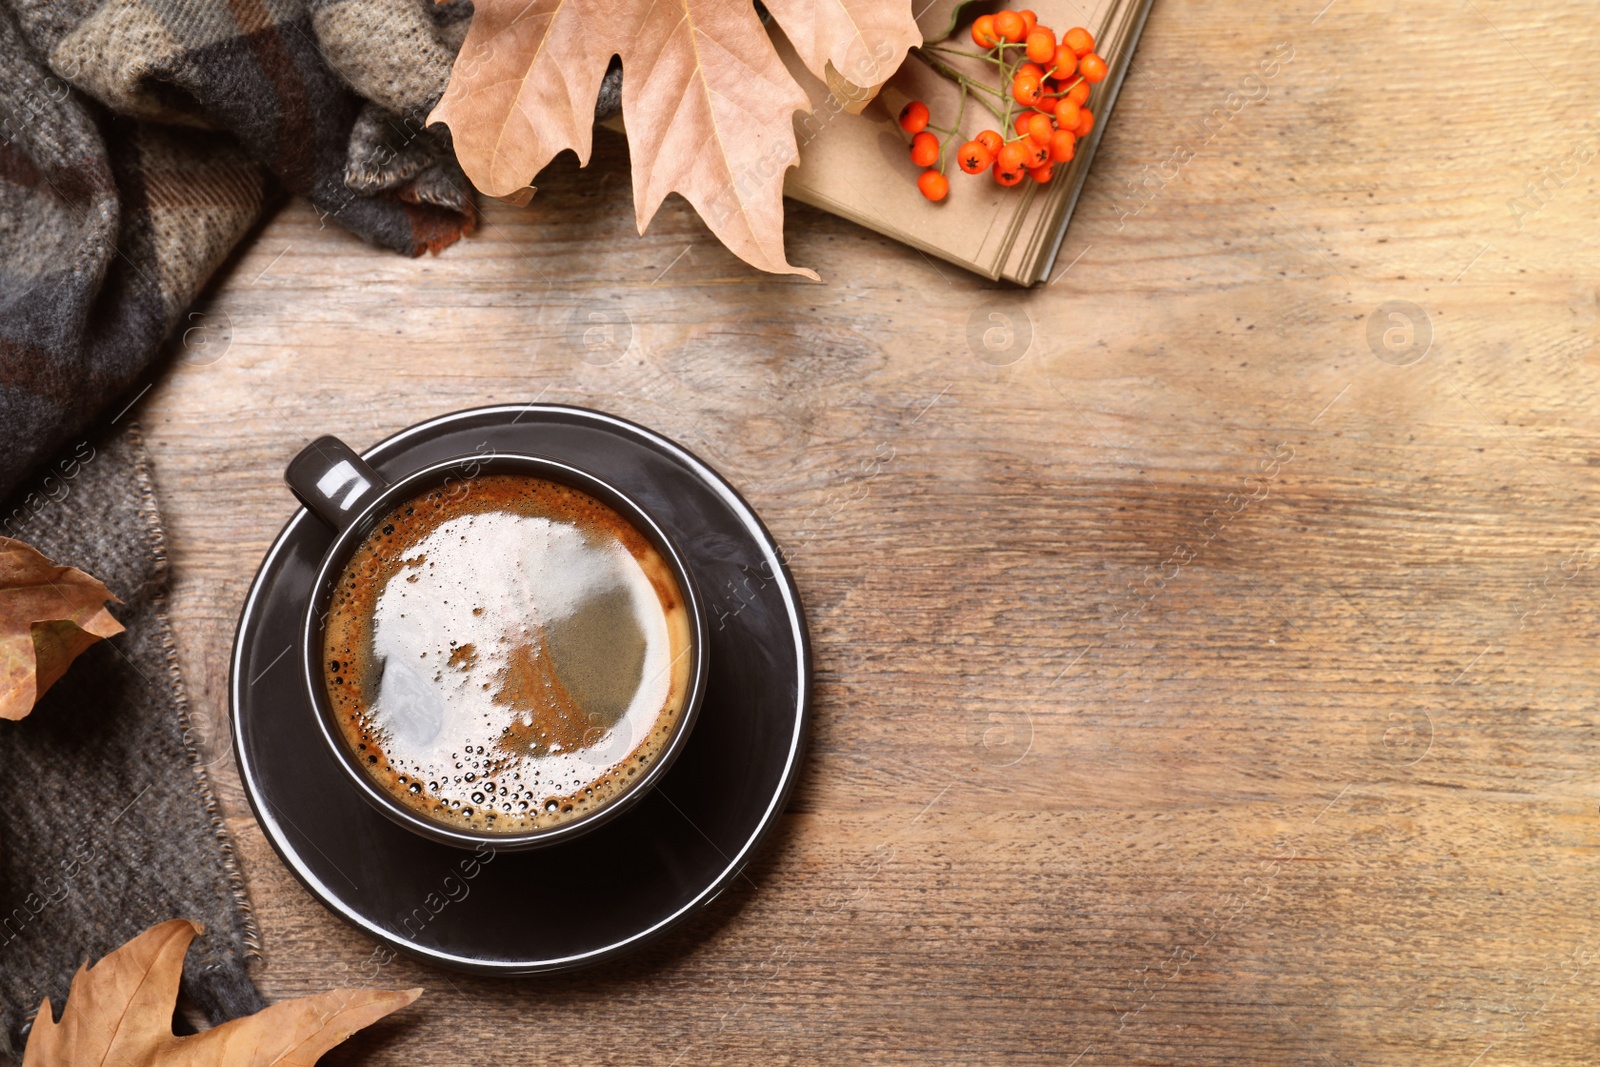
[{"x": 504, "y": 654}]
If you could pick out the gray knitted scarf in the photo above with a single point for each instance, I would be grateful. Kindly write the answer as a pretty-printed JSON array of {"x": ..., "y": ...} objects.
[
  {"x": 140, "y": 140},
  {"x": 107, "y": 821}
]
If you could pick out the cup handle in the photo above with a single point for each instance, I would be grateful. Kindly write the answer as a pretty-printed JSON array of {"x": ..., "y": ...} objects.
[{"x": 332, "y": 481}]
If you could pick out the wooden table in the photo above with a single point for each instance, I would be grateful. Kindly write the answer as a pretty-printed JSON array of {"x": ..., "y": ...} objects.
[{"x": 1206, "y": 678}]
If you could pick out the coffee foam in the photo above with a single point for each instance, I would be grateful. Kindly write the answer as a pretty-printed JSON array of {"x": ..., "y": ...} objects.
[{"x": 506, "y": 656}]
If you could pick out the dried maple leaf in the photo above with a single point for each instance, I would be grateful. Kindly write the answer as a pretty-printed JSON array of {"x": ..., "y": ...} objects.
[
  {"x": 48, "y": 615},
  {"x": 120, "y": 1012},
  {"x": 707, "y": 103}
]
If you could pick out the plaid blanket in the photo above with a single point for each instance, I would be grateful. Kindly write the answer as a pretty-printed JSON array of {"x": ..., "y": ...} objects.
[{"x": 140, "y": 140}]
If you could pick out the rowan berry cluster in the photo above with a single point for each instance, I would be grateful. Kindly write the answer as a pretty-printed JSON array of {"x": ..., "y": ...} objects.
[{"x": 1044, "y": 103}]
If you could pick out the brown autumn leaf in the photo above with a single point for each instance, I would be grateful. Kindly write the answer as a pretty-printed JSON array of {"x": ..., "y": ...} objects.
[
  {"x": 707, "y": 103},
  {"x": 48, "y": 615},
  {"x": 120, "y": 1012}
]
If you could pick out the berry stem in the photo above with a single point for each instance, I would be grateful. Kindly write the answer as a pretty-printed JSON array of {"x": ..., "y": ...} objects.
[
  {"x": 960, "y": 114},
  {"x": 963, "y": 81},
  {"x": 991, "y": 90},
  {"x": 985, "y": 56},
  {"x": 1006, "y": 76}
]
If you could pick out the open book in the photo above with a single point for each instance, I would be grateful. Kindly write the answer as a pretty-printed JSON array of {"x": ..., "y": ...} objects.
[{"x": 859, "y": 168}]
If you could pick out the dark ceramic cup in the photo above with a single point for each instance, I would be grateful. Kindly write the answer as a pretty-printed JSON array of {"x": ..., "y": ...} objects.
[{"x": 341, "y": 489}]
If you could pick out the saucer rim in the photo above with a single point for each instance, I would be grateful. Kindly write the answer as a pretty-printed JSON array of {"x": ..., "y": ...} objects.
[{"x": 272, "y": 828}]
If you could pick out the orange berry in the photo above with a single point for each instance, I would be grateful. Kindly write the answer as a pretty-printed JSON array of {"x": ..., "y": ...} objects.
[
  {"x": 1093, "y": 68},
  {"x": 1066, "y": 115},
  {"x": 1047, "y": 104},
  {"x": 1042, "y": 174},
  {"x": 1063, "y": 146},
  {"x": 1033, "y": 69},
  {"x": 983, "y": 34},
  {"x": 1029, "y": 19},
  {"x": 1085, "y": 122},
  {"x": 1041, "y": 46},
  {"x": 1008, "y": 177},
  {"x": 974, "y": 157},
  {"x": 1080, "y": 40},
  {"x": 1079, "y": 94},
  {"x": 1065, "y": 62},
  {"x": 934, "y": 186},
  {"x": 1026, "y": 90},
  {"x": 1038, "y": 127},
  {"x": 914, "y": 117},
  {"x": 1020, "y": 124},
  {"x": 1037, "y": 154},
  {"x": 1010, "y": 26},
  {"x": 990, "y": 139},
  {"x": 1012, "y": 156},
  {"x": 924, "y": 149}
]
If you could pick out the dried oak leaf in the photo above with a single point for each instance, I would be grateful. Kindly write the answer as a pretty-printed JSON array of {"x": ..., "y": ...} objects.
[
  {"x": 48, "y": 615},
  {"x": 120, "y": 1012},
  {"x": 707, "y": 103}
]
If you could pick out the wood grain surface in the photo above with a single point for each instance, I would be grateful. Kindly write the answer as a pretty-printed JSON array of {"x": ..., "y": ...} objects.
[{"x": 1204, "y": 654}]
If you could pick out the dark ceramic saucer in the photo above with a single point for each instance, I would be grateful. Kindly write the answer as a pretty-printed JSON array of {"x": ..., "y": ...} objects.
[{"x": 602, "y": 894}]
